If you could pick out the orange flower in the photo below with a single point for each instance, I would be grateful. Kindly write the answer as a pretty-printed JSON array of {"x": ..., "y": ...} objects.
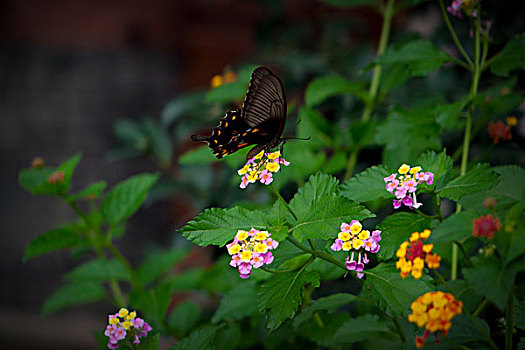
[{"x": 413, "y": 254}]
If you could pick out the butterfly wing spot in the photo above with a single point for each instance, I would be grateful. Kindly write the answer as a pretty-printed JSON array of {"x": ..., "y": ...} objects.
[
  {"x": 215, "y": 141},
  {"x": 226, "y": 124},
  {"x": 234, "y": 117},
  {"x": 218, "y": 132},
  {"x": 255, "y": 130}
]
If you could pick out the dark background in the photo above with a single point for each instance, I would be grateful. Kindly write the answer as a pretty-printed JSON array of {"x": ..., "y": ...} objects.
[{"x": 68, "y": 70}]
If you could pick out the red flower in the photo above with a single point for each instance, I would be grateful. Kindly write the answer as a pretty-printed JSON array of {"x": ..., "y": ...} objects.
[
  {"x": 499, "y": 131},
  {"x": 485, "y": 226}
]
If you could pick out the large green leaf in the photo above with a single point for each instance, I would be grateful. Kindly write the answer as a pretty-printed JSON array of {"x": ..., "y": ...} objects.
[
  {"x": 92, "y": 191},
  {"x": 281, "y": 295},
  {"x": 360, "y": 328},
  {"x": 392, "y": 293},
  {"x": 396, "y": 229},
  {"x": 456, "y": 227},
  {"x": 438, "y": 164},
  {"x": 332, "y": 85},
  {"x": 126, "y": 197},
  {"x": 159, "y": 263},
  {"x": 421, "y": 57},
  {"x": 35, "y": 180},
  {"x": 100, "y": 270},
  {"x": 329, "y": 304},
  {"x": 480, "y": 177},
  {"x": 368, "y": 185},
  {"x": 184, "y": 317},
  {"x": 57, "y": 239},
  {"x": 73, "y": 294},
  {"x": 511, "y": 57},
  {"x": 238, "y": 303},
  {"x": 219, "y": 226}
]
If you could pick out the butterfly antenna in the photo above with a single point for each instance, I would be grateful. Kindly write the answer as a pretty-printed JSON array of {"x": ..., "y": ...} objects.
[
  {"x": 298, "y": 121},
  {"x": 297, "y": 138}
]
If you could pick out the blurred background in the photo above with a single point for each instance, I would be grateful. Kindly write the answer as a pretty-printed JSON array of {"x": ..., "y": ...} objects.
[{"x": 98, "y": 77}]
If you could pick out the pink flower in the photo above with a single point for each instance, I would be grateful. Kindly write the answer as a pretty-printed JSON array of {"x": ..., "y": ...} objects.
[
  {"x": 401, "y": 192},
  {"x": 391, "y": 186},
  {"x": 136, "y": 340},
  {"x": 271, "y": 243},
  {"x": 376, "y": 235},
  {"x": 236, "y": 260},
  {"x": 268, "y": 258},
  {"x": 257, "y": 260},
  {"x": 410, "y": 186},
  {"x": 138, "y": 322},
  {"x": 390, "y": 178},
  {"x": 120, "y": 333},
  {"x": 266, "y": 177},
  {"x": 147, "y": 327},
  {"x": 407, "y": 201},
  {"x": 345, "y": 227},
  {"x": 244, "y": 276},
  {"x": 429, "y": 178},
  {"x": 245, "y": 268},
  {"x": 284, "y": 162},
  {"x": 244, "y": 181},
  {"x": 397, "y": 204},
  {"x": 337, "y": 246}
]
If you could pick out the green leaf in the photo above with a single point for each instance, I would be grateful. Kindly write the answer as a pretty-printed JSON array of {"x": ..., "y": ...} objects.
[
  {"x": 447, "y": 114},
  {"x": 73, "y": 294},
  {"x": 153, "y": 302},
  {"x": 511, "y": 57},
  {"x": 519, "y": 313},
  {"x": 396, "y": 229},
  {"x": 367, "y": 186},
  {"x": 199, "y": 156},
  {"x": 127, "y": 197},
  {"x": 184, "y": 317},
  {"x": 151, "y": 342},
  {"x": 325, "y": 87},
  {"x": 456, "y": 227},
  {"x": 92, "y": 191},
  {"x": 392, "y": 293},
  {"x": 218, "y": 226},
  {"x": 281, "y": 295},
  {"x": 186, "y": 280},
  {"x": 201, "y": 338},
  {"x": 350, "y": 3},
  {"x": 182, "y": 105},
  {"x": 438, "y": 164},
  {"x": 463, "y": 330},
  {"x": 323, "y": 336},
  {"x": 57, "y": 239},
  {"x": 408, "y": 133},
  {"x": 100, "y": 270},
  {"x": 158, "y": 264},
  {"x": 421, "y": 57},
  {"x": 238, "y": 303},
  {"x": 315, "y": 126},
  {"x": 277, "y": 220},
  {"x": 493, "y": 280},
  {"x": 464, "y": 292},
  {"x": 508, "y": 192},
  {"x": 34, "y": 180},
  {"x": 285, "y": 252},
  {"x": 329, "y": 304},
  {"x": 360, "y": 328},
  {"x": 480, "y": 177}
]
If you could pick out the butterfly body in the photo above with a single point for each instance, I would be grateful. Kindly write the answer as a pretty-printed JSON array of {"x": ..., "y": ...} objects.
[{"x": 259, "y": 122}]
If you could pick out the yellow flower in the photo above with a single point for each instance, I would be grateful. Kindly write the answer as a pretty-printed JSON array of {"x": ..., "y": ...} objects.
[
  {"x": 343, "y": 236},
  {"x": 123, "y": 312},
  {"x": 242, "y": 235},
  {"x": 364, "y": 234},
  {"x": 427, "y": 248},
  {"x": 512, "y": 120},
  {"x": 253, "y": 176},
  {"x": 131, "y": 315},
  {"x": 272, "y": 167},
  {"x": 244, "y": 169},
  {"x": 403, "y": 169},
  {"x": 234, "y": 249},
  {"x": 417, "y": 274},
  {"x": 415, "y": 169},
  {"x": 113, "y": 320},
  {"x": 126, "y": 325},
  {"x": 261, "y": 235},
  {"x": 418, "y": 263},
  {"x": 425, "y": 234},
  {"x": 259, "y": 155},
  {"x": 414, "y": 237},
  {"x": 261, "y": 248},
  {"x": 356, "y": 227},
  {"x": 357, "y": 243},
  {"x": 347, "y": 245},
  {"x": 246, "y": 256},
  {"x": 274, "y": 155}
]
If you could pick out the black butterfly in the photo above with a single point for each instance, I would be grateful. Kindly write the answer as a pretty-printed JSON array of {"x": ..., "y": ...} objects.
[{"x": 259, "y": 122}]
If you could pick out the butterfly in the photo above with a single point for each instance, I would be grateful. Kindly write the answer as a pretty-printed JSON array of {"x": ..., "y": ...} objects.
[{"x": 259, "y": 122}]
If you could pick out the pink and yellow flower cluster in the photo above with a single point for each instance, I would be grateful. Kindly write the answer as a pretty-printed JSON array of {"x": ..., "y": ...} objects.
[
  {"x": 413, "y": 255},
  {"x": 125, "y": 325},
  {"x": 405, "y": 187},
  {"x": 251, "y": 250},
  {"x": 352, "y": 239},
  {"x": 261, "y": 168},
  {"x": 434, "y": 311}
]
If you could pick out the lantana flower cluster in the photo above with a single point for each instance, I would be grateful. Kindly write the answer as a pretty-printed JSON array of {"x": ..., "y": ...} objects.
[
  {"x": 485, "y": 226},
  {"x": 251, "y": 250},
  {"x": 434, "y": 311},
  {"x": 353, "y": 239},
  {"x": 125, "y": 325},
  {"x": 500, "y": 130},
  {"x": 405, "y": 187},
  {"x": 413, "y": 255},
  {"x": 261, "y": 168},
  {"x": 460, "y": 7}
]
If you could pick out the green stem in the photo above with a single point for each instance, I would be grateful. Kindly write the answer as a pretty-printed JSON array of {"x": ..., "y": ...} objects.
[
  {"x": 509, "y": 319},
  {"x": 318, "y": 253},
  {"x": 437, "y": 206},
  {"x": 481, "y": 306},
  {"x": 388, "y": 12},
  {"x": 464, "y": 252},
  {"x": 318, "y": 320},
  {"x": 135, "y": 281},
  {"x": 454, "y": 36},
  {"x": 283, "y": 201}
]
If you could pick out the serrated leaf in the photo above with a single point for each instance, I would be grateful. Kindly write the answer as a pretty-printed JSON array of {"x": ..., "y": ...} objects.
[
  {"x": 92, "y": 191},
  {"x": 360, "y": 328},
  {"x": 201, "y": 338},
  {"x": 329, "y": 304},
  {"x": 73, "y": 294},
  {"x": 493, "y": 280},
  {"x": 281, "y": 295},
  {"x": 332, "y": 85},
  {"x": 511, "y": 57},
  {"x": 392, "y": 293},
  {"x": 218, "y": 226},
  {"x": 421, "y": 57},
  {"x": 508, "y": 192},
  {"x": 240, "y": 302},
  {"x": 126, "y": 197},
  {"x": 57, "y": 239},
  {"x": 438, "y": 164},
  {"x": 184, "y": 317},
  {"x": 396, "y": 229},
  {"x": 456, "y": 227},
  {"x": 285, "y": 252},
  {"x": 318, "y": 186},
  {"x": 159, "y": 263},
  {"x": 367, "y": 186},
  {"x": 447, "y": 114},
  {"x": 480, "y": 177},
  {"x": 100, "y": 270}
]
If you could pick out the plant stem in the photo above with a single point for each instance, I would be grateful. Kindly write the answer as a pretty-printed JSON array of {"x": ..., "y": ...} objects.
[
  {"x": 454, "y": 36},
  {"x": 135, "y": 281},
  {"x": 283, "y": 201},
  {"x": 464, "y": 252},
  {"x": 318, "y": 253},
  {"x": 481, "y": 306},
  {"x": 388, "y": 12},
  {"x": 509, "y": 319},
  {"x": 399, "y": 330}
]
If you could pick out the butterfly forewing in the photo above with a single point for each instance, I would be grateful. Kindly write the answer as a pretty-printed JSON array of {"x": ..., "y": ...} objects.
[{"x": 260, "y": 121}]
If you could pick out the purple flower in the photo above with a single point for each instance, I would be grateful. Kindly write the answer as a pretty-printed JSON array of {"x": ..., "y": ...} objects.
[
  {"x": 138, "y": 322},
  {"x": 401, "y": 192},
  {"x": 407, "y": 201},
  {"x": 268, "y": 258},
  {"x": 429, "y": 178},
  {"x": 147, "y": 327},
  {"x": 244, "y": 276},
  {"x": 337, "y": 246},
  {"x": 365, "y": 259},
  {"x": 245, "y": 268},
  {"x": 112, "y": 346},
  {"x": 376, "y": 235},
  {"x": 350, "y": 265},
  {"x": 360, "y": 275},
  {"x": 397, "y": 204}
]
